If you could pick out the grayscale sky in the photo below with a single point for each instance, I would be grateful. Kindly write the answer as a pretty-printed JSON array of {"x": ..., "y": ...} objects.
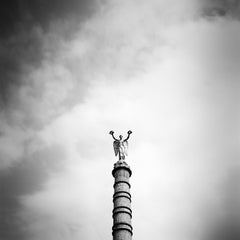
[{"x": 73, "y": 70}]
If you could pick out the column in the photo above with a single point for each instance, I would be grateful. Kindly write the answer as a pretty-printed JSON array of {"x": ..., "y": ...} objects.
[{"x": 122, "y": 213}]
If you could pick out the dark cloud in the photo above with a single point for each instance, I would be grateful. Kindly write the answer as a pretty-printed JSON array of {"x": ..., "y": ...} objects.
[
  {"x": 222, "y": 8},
  {"x": 229, "y": 230},
  {"x": 228, "y": 226},
  {"x": 17, "y": 14},
  {"x": 23, "y": 26},
  {"x": 15, "y": 51},
  {"x": 25, "y": 177}
]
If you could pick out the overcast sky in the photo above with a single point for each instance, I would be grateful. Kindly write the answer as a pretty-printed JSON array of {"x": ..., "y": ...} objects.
[{"x": 73, "y": 70}]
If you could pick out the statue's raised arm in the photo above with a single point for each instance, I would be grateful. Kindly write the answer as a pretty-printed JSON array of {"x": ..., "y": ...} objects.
[
  {"x": 129, "y": 133},
  {"x": 120, "y": 146},
  {"x": 112, "y": 133}
]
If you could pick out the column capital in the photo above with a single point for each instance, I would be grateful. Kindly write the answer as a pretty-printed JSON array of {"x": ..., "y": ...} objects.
[{"x": 121, "y": 165}]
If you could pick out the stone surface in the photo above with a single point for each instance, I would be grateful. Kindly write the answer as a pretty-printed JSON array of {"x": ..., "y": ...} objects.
[{"x": 122, "y": 213}]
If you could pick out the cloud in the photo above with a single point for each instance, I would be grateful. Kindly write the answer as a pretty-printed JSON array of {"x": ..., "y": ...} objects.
[
  {"x": 29, "y": 13},
  {"x": 25, "y": 28},
  {"x": 24, "y": 178},
  {"x": 163, "y": 70},
  {"x": 221, "y": 8}
]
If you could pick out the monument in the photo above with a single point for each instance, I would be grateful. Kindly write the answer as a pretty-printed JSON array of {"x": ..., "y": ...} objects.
[{"x": 122, "y": 213}]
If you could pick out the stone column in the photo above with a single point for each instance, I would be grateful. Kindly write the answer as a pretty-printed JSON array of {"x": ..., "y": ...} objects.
[{"x": 122, "y": 213}]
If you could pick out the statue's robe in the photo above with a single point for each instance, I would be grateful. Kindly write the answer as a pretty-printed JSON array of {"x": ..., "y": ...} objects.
[{"x": 120, "y": 147}]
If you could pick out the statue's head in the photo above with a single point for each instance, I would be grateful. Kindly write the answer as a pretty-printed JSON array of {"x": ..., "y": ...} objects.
[{"x": 120, "y": 137}]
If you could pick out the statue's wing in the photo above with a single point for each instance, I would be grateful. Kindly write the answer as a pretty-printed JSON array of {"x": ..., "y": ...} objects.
[
  {"x": 125, "y": 144},
  {"x": 116, "y": 147}
]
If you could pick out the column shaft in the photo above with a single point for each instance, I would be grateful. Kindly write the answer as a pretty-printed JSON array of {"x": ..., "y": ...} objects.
[{"x": 122, "y": 213}]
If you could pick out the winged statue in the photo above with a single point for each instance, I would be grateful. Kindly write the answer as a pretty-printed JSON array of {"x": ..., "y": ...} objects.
[{"x": 120, "y": 145}]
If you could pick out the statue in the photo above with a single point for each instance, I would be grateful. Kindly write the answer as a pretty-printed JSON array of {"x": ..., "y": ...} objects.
[{"x": 120, "y": 146}]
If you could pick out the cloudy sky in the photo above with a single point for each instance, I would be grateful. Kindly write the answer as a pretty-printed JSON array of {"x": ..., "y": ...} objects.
[{"x": 73, "y": 70}]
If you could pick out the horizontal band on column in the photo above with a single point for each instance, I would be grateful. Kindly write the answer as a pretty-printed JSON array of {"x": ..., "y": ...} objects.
[
  {"x": 118, "y": 192},
  {"x": 123, "y": 197},
  {"x": 130, "y": 214},
  {"x": 122, "y": 182},
  {"x": 117, "y": 227},
  {"x": 122, "y": 207},
  {"x": 121, "y": 228}
]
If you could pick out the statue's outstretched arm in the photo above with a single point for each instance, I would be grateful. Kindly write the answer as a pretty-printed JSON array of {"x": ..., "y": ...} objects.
[
  {"x": 111, "y": 133},
  {"x": 129, "y": 133}
]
